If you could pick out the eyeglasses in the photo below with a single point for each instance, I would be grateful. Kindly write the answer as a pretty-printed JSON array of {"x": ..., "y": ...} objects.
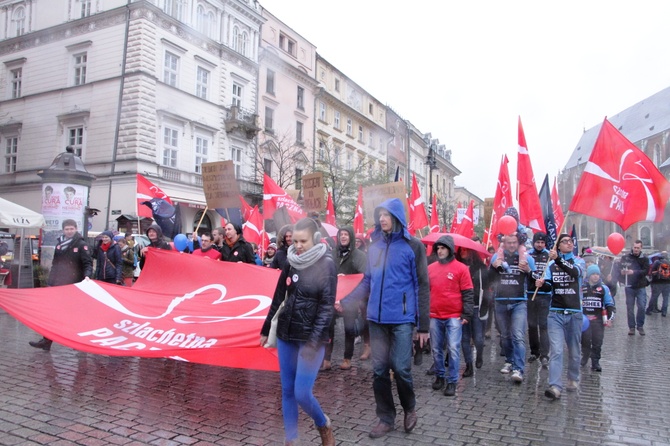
[{"x": 567, "y": 241}]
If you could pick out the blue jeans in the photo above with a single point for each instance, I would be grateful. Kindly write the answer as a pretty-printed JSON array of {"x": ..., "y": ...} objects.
[
  {"x": 636, "y": 297},
  {"x": 473, "y": 330},
  {"x": 564, "y": 329},
  {"x": 512, "y": 319},
  {"x": 391, "y": 346},
  {"x": 451, "y": 330},
  {"x": 297, "y": 381},
  {"x": 659, "y": 288}
]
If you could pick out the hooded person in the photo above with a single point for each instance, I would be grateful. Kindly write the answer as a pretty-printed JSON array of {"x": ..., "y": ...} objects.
[
  {"x": 396, "y": 282},
  {"x": 284, "y": 240},
  {"x": 451, "y": 306},
  {"x": 348, "y": 260},
  {"x": 235, "y": 248},
  {"x": 598, "y": 307},
  {"x": 156, "y": 240},
  {"x": 109, "y": 260}
]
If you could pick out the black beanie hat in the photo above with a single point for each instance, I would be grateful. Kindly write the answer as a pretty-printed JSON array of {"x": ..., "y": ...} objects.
[
  {"x": 561, "y": 237},
  {"x": 539, "y": 236}
]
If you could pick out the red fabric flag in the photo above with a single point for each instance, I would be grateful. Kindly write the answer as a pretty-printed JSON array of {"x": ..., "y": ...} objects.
[
  {"x": 359, "y": 223},
  {"x": 454, "y": 222},
  {"x": 485, "y": 241},
  {"x": 467, "y": 228},
  {"x": 330, "y": 211},
  {"x": 182, "y": 307},
  {"x": 444, "y": 228},
  {"x": 146, "y": 190},
  {"x": 253, "y": 230},
  {"x": 245, "y": 208},
  {"x": 434, "y": 218},
  {"x": 556, "y": 205},
  {"x": 530, "y": 210},
  {"x": 620, "y": 183},
  {"x": 501, "y": 201},
  {"x": 417, "y": 208},
  {"x": 275, "y": 197}
]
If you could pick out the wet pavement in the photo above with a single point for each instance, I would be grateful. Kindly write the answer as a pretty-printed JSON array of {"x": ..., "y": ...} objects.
[{"x": 65, "y": 397}]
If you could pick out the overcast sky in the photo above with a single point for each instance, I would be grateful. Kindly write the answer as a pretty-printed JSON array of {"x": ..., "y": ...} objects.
[{"x": 465, "y": 70}]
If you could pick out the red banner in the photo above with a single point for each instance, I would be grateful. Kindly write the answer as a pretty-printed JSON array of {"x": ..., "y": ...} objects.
[
  {"x": 146, "y": 190},
  {"x": 182, "y": 307}
]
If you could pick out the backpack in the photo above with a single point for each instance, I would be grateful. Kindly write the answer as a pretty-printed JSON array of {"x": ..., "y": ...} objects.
[{"x": 664, "y": 270}]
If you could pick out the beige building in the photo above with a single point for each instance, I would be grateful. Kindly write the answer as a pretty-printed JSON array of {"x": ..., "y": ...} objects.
[{"x": 153, "y": 87}]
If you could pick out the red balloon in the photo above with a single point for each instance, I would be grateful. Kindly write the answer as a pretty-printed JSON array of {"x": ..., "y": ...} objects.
[
  {"x": 507, "y": 225},
  {"x": 615, "y": 242}
]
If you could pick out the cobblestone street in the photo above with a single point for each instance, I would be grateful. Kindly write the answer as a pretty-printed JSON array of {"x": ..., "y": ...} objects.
[{"x": 66, "y": 397}]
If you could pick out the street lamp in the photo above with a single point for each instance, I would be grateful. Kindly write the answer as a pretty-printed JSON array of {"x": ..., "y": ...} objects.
[{"x": 431, "y": 162}]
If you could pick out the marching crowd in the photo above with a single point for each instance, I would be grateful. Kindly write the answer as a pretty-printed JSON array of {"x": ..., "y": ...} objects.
[{"x": 407, "y": 302}]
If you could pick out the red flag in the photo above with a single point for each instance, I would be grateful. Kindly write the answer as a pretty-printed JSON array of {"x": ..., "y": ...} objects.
[
  {"x": 275, "y": 197},
  {"x": 467, "y": 227},
  {"x": 620, "y": 183},
  {"x": 454, "y": 222},
  {"x": 485, "y": 241},
  {"x": 444, "y": 228},
  {"x": 501, "y": 201},
  {"x": 530, "y": 211},
  {"x": 330, "y": 211},
  {"x": 245, "y": 208},
  {"x": 556, "y": 205},
  {"x": 253, "y": 231},
  {"x": 146, "y": 190},
  {"x": 434, "y": 219},
  {"x": 359, "y": 224},
  {"x": 417, "y": 209}
]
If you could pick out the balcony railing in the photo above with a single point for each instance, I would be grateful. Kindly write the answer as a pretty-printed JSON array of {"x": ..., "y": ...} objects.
[{"x": 241, "y": 120}]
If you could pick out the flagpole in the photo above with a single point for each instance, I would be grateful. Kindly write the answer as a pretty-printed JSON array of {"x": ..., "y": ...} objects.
[
  {"x": 565, "y": 219},
  {"x": 201, "y": 218}
]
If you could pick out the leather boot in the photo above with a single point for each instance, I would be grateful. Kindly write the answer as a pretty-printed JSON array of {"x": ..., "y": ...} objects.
[
  {"x": 480, "y": 359},
  {"x": 326, "y": 432},
  {"x": 469, "y": 371},
  {"x": 44, "y": 344}
]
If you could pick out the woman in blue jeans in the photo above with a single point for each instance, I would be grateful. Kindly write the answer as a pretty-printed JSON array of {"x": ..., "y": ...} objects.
[{"x": 307, "y": 286}]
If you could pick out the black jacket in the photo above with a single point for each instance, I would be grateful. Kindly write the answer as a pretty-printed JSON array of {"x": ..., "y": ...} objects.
[
  {"x": 348, "y": 260},
  {"x": 241, "y": 251},
  {"x": 109, "y": 264},
  {"x": 310, "y": 303},
  {"x": 279, "y": 260},
  {"x": 640, "y": 267},
  {"x": 70, "y": 265},
  {"x": 160, "y": 243}
]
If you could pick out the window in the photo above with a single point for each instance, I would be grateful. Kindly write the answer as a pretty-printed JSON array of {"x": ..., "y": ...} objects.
[
  {"x": 298, "y": 132},
  {"x": 240, "y": 40},
  {"x": 269, "y": 120},
  {"x": 170, "y": 68},
  {"x": 19, "y": 22},
  {"x": 301, "y": 98},
  {"x": 15, "y": 76},
  {"x": 201, "y": 152},
  {"x": 322, "y": 150},
  {"x": 11, "y": 149},
  {"x": 360, "y": 133},
  {"x": 270, "y": 82},
  {"x": 201, "y": 20},
  {"x": 350, "y": 160},
  {"x": 170, "y": 146},
  {"x": 371, "y": 139},
  {"x": 267, "y": 166},
  {"x": 287, "y": 44},
  {"x": 337, "y": 85},
  {"x": 237, "y": 94},
  {"x": 322, "y": 111},
  {"x": 336, "y": 156},
  {"x": 336, "y": 122},
  {"x": 80, "y": 61},
  {"x": 350, "y": 130},
  {"x": 75, "y": 138},
  {"x": 370, "y": 109},
  {"x": 202, "y": 83},
  {"x": 236, "y": 156},
  {"x": 85, "y": 10},
  {"x": 175, "y": 8},
  {"x": 298, "y": 179}
]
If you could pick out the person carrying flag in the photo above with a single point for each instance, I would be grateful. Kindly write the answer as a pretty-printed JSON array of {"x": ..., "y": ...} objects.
[{"x": 538, "y": 304}]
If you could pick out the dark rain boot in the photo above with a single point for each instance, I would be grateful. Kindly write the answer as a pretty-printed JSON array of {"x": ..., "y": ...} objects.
[
  {"x": 480, "y": 359},
  {"x": 469, "y": 370},
  {"x": 44, "y": 344}
]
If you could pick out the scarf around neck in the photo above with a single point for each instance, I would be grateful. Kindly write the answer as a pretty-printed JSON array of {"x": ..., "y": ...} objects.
[{"x": 307, "y": 258}]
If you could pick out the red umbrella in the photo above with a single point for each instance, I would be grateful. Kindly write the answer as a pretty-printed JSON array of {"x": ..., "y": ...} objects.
[{"x": 459, "y": 240}]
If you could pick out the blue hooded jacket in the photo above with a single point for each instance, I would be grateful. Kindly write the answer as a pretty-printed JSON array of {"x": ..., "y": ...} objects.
[{"x": 396, "y": 277}]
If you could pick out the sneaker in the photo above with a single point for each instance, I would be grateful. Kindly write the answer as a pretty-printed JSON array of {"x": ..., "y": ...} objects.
[
  {"x": 648, "y": 312},
  {"x": 595, "y": 366},
  {"x": 553, "y": 393},
  {"x": 431, "y": 370},
  {"x": 585, "y": 360},
  {"x": 572, "y": 386},
  {"x": 641, "y": 331},
  {"x": 438, "y": 383},
  {"x": 517, "y": 377},
  {"x": 631, "y": 332},
  {"x": 450, "y": 390},
  {"x": 507, "y": 368},
  {"x": 545, "y": 362}
]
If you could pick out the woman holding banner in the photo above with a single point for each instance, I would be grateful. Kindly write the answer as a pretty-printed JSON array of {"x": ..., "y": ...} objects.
[{"x": 307, "y": 286}]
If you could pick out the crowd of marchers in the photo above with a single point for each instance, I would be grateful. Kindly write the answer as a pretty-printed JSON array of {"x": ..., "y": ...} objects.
[{"x": 407, "y": 303}]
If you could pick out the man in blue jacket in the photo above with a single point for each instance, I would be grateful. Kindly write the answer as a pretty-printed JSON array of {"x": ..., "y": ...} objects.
[{"x": 396, "y": 281}]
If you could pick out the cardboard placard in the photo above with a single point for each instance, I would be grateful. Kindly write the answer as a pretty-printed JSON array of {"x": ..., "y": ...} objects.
[
  {"x": 313, "y": 192},
  {"x": 375, "y": 195},
  {"x": 220, "y": 185}
]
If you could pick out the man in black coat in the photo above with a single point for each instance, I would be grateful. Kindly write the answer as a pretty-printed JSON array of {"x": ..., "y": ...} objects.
[
  {"x": 235, "y": 248},
  {"x": 71, "y": 264}
]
